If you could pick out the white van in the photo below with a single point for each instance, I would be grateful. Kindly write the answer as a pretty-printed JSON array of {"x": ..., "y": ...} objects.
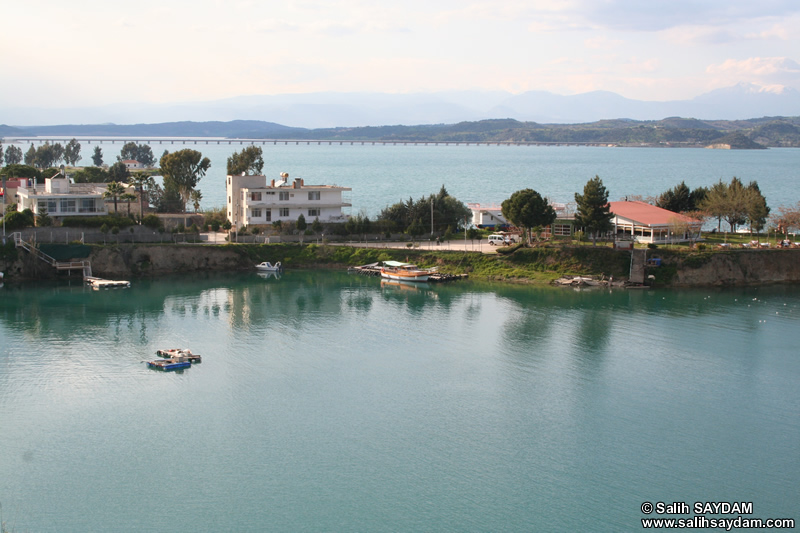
[{"x": 500, "y": 240}]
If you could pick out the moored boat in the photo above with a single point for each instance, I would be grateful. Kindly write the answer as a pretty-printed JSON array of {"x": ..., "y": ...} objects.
[
  {"x": 168, "y": 364},
  {"x": 266, "y": 266},
  {"x": 404, "y": 271},
  {"x": 180, "y": 353}
]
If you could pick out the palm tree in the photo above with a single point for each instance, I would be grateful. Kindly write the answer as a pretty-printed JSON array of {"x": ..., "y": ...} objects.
[
  {"x": 128, "y": 197},
  {"x": 140, "y": 180},
  {"x": 196, "y": 196},
  {"x": 114, "y": 190}
]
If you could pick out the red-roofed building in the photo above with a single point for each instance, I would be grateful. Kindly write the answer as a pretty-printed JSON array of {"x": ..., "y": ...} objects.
[{"x": 647, "y": 223}]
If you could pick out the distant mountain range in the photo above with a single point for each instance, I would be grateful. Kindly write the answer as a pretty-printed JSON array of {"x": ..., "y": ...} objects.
[
  {"x": 674, "y": 132},
  {"x": 348, "y": 110}
]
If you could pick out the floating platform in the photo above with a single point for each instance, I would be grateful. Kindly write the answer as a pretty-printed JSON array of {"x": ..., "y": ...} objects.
[{"x": 100, "y": 283}]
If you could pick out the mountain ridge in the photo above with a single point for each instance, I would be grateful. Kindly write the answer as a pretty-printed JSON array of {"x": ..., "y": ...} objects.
[
  {"x": 671, "y": 131},
  {"x": 362, "y": 109}
]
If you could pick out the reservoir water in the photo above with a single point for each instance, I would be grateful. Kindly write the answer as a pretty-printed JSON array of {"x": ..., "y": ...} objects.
[
  {"x": 331, "y": 402},
  {"x": 383, "y": 175}
]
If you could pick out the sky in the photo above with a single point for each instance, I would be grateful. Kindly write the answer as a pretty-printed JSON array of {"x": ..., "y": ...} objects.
[{"x": 95, "y": 52}]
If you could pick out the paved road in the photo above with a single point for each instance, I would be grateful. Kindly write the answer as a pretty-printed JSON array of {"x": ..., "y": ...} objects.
[{"x": 457, "y": 246}]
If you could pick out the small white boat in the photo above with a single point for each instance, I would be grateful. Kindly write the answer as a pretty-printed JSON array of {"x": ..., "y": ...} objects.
[
  {"x": 266, "y": 266},
  {"x": 404, "y": 271}
]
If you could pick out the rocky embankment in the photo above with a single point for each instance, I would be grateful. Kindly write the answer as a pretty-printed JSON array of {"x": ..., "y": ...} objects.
[
  {"x": 738, "y": 267},
  {"x": 678, "y": 269}
]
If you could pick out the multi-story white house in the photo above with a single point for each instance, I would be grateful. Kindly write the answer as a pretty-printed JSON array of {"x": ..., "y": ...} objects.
[
  {"x": 251, "y": 201},
  {"x": 60, "y": 198}
]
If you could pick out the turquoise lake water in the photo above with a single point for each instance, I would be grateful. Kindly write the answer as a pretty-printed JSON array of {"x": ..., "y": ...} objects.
[
  {"x": 384, "y": 175},
  {"x": 330, "y": 402}
]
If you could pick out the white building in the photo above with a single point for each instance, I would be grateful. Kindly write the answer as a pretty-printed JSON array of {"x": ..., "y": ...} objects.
[
  {"x": 251, "y": 201},
  {"x": 488, "y": 216},
  {"x": 60, "y": 198},
  {"x": 132, "y": 164}
]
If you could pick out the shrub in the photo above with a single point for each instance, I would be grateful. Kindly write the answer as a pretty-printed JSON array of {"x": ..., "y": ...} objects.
[
  {"x": 652, "y": 246},
  {"x": 44, "y": 220},
  {"x": 96, "y": 222},
  {"x": 151, "y": 221},
  {"x": 18, "y": 220}
]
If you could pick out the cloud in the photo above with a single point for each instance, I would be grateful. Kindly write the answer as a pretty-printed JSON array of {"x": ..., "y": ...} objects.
[
  {"x": 762, "y": 70},
  {"x": 657, "y": 15}
]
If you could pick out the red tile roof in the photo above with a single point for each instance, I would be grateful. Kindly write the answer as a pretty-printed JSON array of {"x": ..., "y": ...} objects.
[{"x": 646, "y": 214}]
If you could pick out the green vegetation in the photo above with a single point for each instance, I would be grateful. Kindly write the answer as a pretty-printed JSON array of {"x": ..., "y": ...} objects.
[
  {"x": 527, "y": 209},
  {"x": 593, "y": 211},
  {"x": 415, "y": 218},
  {"x": 249, "y": 161},
  {"x": 537, "y": 265},
  {"x": 137, "y": 152},
  {"x": 182, "y": 170}
]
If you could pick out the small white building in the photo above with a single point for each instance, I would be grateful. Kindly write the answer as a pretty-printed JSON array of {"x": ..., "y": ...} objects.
[
  {"x": 59, "y": 198},
  {"x": 251, "y": 201},
  {"x": 488, "y": 216},
  {"x": 132, "y": 164}
]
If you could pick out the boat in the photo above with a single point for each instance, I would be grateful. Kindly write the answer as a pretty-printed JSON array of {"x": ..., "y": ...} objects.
[
  {"x": 174, "y": 359},
  {"x": 168, "y": 364},
  {"x": 404, "y": 271},
  {"x": 266, "y": 266},
  {"x": 180, "y": 353}
]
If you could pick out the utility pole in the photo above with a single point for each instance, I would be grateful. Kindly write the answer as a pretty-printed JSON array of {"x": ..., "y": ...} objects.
[
  {"x": 4, "y": 210},
  {"x": 431, "y": 215}
]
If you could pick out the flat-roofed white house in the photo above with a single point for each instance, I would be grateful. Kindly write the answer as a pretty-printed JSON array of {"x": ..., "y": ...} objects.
[
  {"x": 252, "y": 201},
  {"x": 59, "y": 198},
  {"x": 643, "y": 222},
  {"x": 488, "y": 216}
]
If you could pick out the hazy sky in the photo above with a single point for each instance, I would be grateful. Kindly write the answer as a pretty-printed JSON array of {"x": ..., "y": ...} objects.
[{"x": 93, "y": 52}]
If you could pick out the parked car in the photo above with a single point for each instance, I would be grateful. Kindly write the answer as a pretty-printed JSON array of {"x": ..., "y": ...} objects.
[{"x": 500, "y": 240}]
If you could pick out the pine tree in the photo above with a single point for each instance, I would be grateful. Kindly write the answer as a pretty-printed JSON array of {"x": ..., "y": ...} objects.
[{"x": 593, "y": 209}]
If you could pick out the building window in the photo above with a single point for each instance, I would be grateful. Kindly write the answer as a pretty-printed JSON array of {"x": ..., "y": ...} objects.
[
  {"x": 255, "y": 213},
  {"x": 284, "y": 195},
  {"x": 268, "y": 214},
  {"x": 47, "y": 206},
  {"x": 255, "y": 196},
  {"x": 313, "y": 195},
  {"x": 283, "y": 212},
  {"x": 313, "y": 212},
  {"x": 68, "y": 206},
  {"x": 562, "y": 230},
  {"x": 87, "y": 206}
]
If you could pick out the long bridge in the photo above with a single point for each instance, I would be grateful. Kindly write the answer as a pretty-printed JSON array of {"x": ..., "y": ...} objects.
[{"x": 341, "y": 142}]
